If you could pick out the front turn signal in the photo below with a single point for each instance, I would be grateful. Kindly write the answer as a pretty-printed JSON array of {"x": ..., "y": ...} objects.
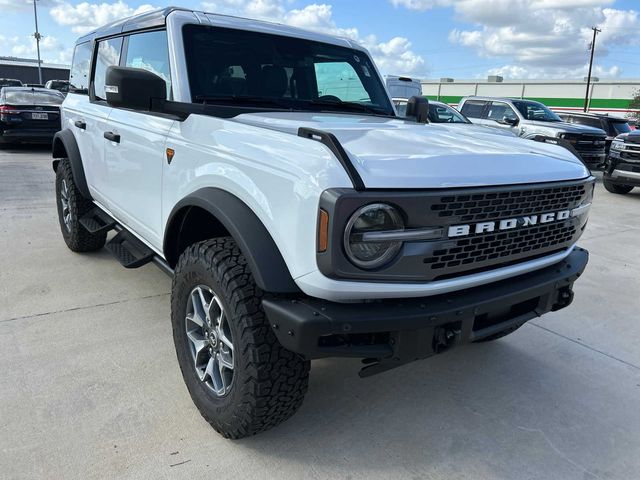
[{"x": 323, "y": 231}]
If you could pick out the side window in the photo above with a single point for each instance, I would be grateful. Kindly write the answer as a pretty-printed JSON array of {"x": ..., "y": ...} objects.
[
  {"x": 498, "y": 111},
  {"x": 341, "y": 80},
  {"x": 473, "y": 108},
  {"x": 150, "y": 51},
  {"x": 79, "y": 77},
  {"x": 108, "y": 54}
]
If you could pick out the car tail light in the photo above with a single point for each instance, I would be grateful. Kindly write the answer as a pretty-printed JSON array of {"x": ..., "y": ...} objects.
[{"x": 8, "y": 109}]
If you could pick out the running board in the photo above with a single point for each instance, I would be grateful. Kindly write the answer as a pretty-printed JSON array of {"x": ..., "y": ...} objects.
[
  {"x": 97, "y": 221},
  {"x": 130, "y": 252}
]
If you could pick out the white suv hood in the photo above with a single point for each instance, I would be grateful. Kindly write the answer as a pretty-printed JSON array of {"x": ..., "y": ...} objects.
[{"x": 393, "y": 153}]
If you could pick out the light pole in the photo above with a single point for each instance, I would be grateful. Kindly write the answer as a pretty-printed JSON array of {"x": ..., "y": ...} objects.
[
  {"x": 38, "y": 37},
  {"x": 596, "y": 30}
]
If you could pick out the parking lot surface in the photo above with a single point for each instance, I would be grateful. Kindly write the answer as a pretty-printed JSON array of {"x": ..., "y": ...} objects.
[{"x": 90, "y": 387}]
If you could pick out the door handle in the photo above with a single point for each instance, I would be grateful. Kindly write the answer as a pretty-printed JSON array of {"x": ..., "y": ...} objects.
[
  {"x": 112, "y": 136},
  {"x": 80, "y": 124}
]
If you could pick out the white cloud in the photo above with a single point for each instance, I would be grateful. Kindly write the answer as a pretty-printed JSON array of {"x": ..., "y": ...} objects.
[
  {"x": 84, "y": 17},
  {"x": 51, "y": 49},
  {"x": 393, "y": 56},
  {"x": 540, "y": 38}
]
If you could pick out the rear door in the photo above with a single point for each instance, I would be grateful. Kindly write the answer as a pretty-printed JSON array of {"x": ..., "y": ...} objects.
[{"x": 133, "y": 166}]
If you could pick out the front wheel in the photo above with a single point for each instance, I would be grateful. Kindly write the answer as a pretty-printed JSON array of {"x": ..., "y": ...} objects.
[
  {"x": 616, "y": 187},
  {"x": 238, "y": 375}
]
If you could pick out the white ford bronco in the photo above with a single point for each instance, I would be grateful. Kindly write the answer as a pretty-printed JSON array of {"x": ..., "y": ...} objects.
[{"x": 265, "y": 169}]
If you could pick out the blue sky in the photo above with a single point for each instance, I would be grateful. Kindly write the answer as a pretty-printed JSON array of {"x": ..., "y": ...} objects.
[{"x": 422, "y": 38}]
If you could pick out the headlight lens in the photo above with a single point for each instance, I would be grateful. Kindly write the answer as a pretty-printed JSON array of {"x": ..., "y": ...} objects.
[
  {"x": 617, "y": 145},
  {"x": 372, "y": 218}
]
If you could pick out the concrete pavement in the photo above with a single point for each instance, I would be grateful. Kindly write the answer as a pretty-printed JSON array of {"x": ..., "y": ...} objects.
[{"x": 90, "y": 387}]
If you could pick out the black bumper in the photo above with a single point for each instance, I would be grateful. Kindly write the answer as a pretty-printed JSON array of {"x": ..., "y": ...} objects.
[
  {"x": 622, "y": 171},
  {"x": 27, "y": 135},
  {"x": 392, "y": 332}
]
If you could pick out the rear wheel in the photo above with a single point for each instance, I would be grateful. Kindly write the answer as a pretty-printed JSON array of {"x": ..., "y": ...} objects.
[
  {"x": 238, "y": 375},
  {"x": 71, "y": 206},
  {"x": 616, "y": 187}
]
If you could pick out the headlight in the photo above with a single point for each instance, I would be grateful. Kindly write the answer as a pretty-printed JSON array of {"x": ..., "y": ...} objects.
[
  {"x": 617, "y": 145},
  {"x": 376, "y": 217}
]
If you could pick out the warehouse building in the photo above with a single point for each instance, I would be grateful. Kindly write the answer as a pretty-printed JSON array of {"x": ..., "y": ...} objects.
[
  {"x": 26, "y": 70},
  {"x": 605, "y": 96}
]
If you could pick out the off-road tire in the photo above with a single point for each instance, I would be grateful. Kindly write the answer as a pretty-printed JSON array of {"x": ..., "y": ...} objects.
[
  {"x": 498, "y": 335},
  {"x": 269, "y": 382},
  {"x": 616, "y": 187},
  {"x": 77, "y": 238}
]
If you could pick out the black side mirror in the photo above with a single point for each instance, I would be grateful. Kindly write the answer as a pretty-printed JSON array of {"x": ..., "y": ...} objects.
[
  {"x": 510, "y": 121},
  {"x": 133, "y": 88},
  {"x": 418, "y": 108}
]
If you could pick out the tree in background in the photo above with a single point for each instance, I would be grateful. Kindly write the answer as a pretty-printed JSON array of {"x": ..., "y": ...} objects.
[{"x": 635, "y": 104}]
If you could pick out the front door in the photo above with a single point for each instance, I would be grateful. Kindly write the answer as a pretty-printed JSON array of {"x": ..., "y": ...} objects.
[{"x": 135, "y": 149}]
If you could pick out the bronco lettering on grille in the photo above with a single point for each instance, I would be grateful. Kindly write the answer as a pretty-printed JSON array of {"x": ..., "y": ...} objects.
[{"x": 507, "y": 224}]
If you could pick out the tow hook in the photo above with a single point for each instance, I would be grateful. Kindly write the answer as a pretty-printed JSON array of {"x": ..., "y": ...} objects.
[
  {"x": 565, "y": 297},
  {"x": 444, "y": 338}
]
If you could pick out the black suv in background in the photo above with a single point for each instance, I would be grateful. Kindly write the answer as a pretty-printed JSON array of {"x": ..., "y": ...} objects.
[
  {"x": 622, "y": 170},
  {"x": 613, "y": 126}
]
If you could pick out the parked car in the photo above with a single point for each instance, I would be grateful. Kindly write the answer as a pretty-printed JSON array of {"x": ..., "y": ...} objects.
[
  {"x": 10, "y": 82},
  {"x": 29, "y": 115},
  {"x": 529, "y": 119},
  {"x": 60, "y": 85},
  {"x": 613, "y": 126},
  {"x": 622, "y": 171},
  {"x": 296, "y": 225},
  {"x": 441, "y": 113}
]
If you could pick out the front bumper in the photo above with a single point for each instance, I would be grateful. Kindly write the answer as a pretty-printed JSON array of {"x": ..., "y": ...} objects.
[{"x": 390, "y": 333}]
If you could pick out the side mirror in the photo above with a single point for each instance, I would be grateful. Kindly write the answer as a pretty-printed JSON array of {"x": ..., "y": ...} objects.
[
  {"x": 510, "y": 121},
  {"x": 418, "y": 108},
  {"x": 133, "y": 88}
]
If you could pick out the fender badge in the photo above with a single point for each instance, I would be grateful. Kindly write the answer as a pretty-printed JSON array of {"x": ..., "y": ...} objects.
[{"x": 170, "y": 153}]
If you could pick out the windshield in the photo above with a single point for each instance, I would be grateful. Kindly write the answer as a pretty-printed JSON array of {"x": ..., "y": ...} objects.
[
  {"x": 620, "y": 127},
  {"x": 445, "y": 114},
  {"x": 536, "y": 111},
  {"x": 33, "y": 97},
  {"x": 264, "y": 69}
]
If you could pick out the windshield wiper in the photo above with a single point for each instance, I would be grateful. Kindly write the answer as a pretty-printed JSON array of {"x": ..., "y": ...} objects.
[
  {"x": 241, "y": 99},
  {"x": 351, "y": 106}
]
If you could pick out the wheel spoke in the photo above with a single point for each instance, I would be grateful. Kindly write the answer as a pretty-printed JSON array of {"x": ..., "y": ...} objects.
[
  {"x": 204, "y": 305},
  {"x": 225, "y": 359},
  {"x": 215, "y": 310},
  {"x": 196, "y": 319},
  {"x": 210, "y": 371}
]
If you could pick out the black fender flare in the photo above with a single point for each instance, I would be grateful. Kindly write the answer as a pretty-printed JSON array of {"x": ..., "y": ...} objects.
[
  {"x": 64, "y": 141},
  {"x": 255, "y": 242}
]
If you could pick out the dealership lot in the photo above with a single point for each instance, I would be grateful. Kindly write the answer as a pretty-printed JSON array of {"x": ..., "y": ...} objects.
[{"x": 90, "y": 387}]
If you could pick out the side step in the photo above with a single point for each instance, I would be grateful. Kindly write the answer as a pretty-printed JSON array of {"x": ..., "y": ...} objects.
[
  {"x": 97, "y": 221},
  {"x": 130, "y": 252}
]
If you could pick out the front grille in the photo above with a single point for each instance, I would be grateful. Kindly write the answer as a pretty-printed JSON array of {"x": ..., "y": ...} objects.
[
  {"x": 591, "y": 144},
  {"x": 489, "y": 249},
  {"x": 484, "y": 251},
  {"x": 631, "y": 152},
  {"x": 483, "y": 206}
]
